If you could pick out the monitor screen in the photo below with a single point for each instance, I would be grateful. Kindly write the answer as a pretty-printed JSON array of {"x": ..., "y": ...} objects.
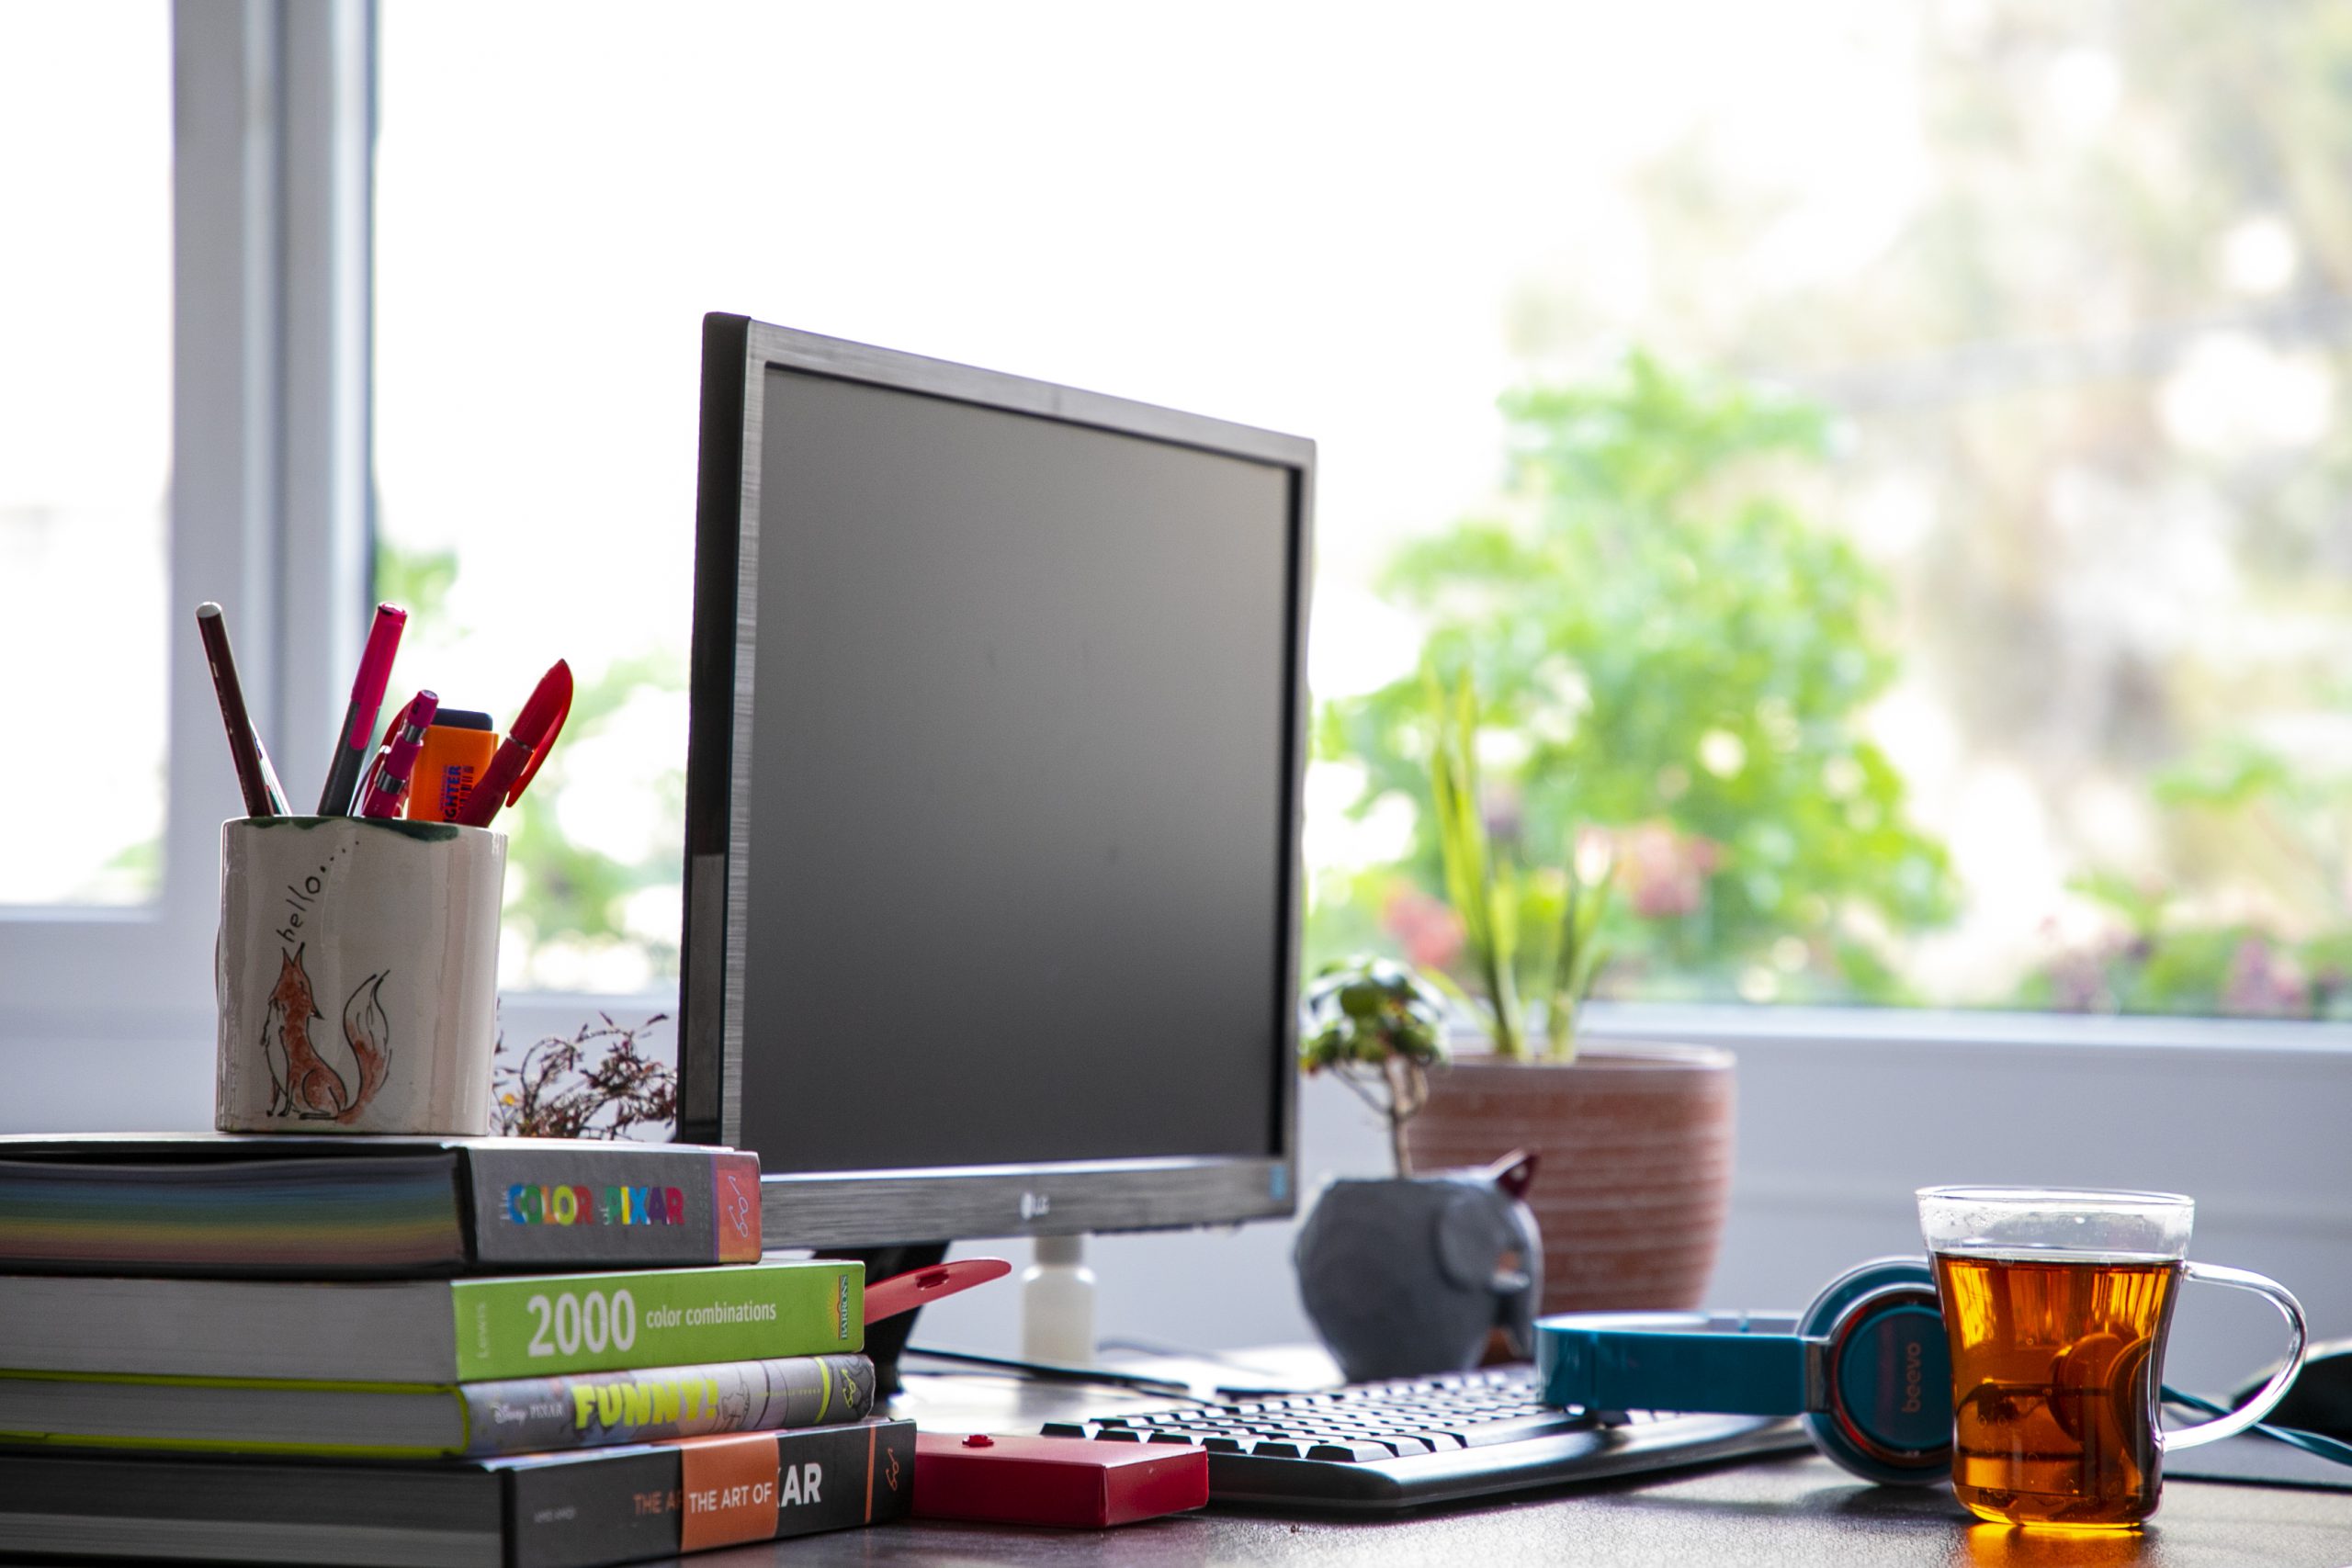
[{"x": 1006, "y": 838}]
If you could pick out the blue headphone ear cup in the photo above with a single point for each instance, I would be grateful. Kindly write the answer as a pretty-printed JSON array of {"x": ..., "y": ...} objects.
[{"x": 1886, "y": 1373}]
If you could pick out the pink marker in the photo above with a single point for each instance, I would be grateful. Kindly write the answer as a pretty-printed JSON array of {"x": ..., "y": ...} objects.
[
  {"x": 359, "y": 719},
  {"x": 387, "y": 786}
]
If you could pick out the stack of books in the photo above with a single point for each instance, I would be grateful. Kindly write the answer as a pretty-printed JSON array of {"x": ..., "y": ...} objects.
[{"x": 406, "y": 1352}]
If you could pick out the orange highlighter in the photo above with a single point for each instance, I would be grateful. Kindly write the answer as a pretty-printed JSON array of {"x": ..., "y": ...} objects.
[{"x": 458, "y": 746}]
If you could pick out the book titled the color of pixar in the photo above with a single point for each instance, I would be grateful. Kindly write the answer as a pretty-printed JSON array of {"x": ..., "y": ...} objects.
[{"x": 215, "y": 1204}]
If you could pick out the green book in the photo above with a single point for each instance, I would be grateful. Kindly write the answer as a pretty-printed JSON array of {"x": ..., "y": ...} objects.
[
  {"x": 430, "y": 1331},
  {"x": 475, "y": 1420}
]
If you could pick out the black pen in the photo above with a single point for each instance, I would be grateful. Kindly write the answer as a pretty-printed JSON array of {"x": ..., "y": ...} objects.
[{"x": 256, "y": 780}]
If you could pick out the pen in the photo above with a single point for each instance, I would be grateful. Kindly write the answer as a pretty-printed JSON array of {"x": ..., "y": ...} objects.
[
  {"x": 359, "y": 719},
  {"x": 535, "y": 729},
  {"x": 375, "y": 768},
  {"x": 257, "y": 780},
  {"x": 389, "y": 782}
]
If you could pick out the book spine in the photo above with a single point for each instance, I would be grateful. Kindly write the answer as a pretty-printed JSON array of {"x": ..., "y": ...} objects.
[
  {"x": 701, "y": 1492},
  {"x": 545, "y": 1325},
  {"x": 573, "y": 1205},
  {"x": 407, "y": 1219},
  {"x": 597, "y": 1409}
]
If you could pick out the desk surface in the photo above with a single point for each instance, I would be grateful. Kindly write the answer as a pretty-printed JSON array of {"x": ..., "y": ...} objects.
[
  {"x": 1800, "y": 1511},
  {"x": 1795, "y": 1510}
]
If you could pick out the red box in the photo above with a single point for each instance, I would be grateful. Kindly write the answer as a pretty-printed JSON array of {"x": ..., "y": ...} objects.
[{"x": 1077, "y": 1482}]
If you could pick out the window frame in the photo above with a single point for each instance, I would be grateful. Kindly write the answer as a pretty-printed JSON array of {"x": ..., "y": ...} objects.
[{"x": 268, "y": 510}]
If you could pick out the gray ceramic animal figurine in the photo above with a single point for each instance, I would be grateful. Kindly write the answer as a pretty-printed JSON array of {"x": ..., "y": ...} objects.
[{"x": 1409, "y": 1276}]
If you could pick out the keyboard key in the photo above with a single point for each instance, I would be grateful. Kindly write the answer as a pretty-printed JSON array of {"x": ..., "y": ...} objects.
[
  {"x": 1483, "y": 1434},
  {"x": 1352, "y": 1452}
]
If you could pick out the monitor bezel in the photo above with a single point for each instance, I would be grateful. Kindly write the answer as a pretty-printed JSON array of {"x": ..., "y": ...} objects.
[{"x": 875, "y": 1207}]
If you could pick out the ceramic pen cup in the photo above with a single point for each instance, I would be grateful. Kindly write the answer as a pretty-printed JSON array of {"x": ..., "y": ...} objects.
[{"x": 358, "y": 974}]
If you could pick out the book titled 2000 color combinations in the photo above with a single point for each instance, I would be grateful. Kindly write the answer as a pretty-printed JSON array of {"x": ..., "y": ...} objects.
[{"x": 430, "y": 1331}]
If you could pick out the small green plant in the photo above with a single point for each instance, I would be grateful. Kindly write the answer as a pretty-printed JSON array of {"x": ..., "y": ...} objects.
[
  {"x": 597, "y": 1084},
  {"x": 1496, "y": 897},
  {"x": 1380, "y": 1027}
]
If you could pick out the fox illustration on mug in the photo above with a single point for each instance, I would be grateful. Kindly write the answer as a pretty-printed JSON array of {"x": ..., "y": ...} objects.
[{"x": 308, "y": 1085}]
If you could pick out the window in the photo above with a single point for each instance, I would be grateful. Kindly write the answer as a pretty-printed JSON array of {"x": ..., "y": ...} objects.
[
  {"x": 1921, "y": 565},
  {"x": 208, "y": 163},
  {"x": 2056, "y": 293},
  {"x": 1996, "y": 608},
  {"x": 85, "y": 403}
]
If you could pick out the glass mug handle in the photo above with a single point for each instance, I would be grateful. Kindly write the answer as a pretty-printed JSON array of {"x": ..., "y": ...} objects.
[{"x": 2255, "y": 1409}]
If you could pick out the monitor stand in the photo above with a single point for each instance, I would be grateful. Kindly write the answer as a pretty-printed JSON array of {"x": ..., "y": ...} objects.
[{"x": 887, "y": 1340}]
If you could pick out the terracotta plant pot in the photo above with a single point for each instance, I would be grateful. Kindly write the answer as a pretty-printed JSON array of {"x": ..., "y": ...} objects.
[{"x": 1637, "y": 1149}]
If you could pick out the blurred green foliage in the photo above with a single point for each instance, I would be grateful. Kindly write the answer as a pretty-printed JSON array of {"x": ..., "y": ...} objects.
[
  {"x": 1665, "y": 647},
  {"x": 558, "y": 890},
  {"x": 567, "y": 890},
  {"x": 417, "y": 581},
  {"x": 2166, "y": 950}
]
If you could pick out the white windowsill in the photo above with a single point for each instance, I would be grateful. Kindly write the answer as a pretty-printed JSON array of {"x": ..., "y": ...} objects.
[{"x": 1727, "y": 1024}]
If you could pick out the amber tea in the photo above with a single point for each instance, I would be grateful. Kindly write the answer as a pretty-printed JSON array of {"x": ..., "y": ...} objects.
[
  {"x": 2055, "y": 1366},
  {"x": 2055, "y": 1301}
]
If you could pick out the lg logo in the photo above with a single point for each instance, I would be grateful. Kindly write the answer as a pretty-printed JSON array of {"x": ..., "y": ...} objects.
[{"x": 1036, "y": 1205}]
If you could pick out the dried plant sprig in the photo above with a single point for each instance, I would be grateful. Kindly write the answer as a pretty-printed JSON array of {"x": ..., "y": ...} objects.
[{"x": 598, "y": 1083}]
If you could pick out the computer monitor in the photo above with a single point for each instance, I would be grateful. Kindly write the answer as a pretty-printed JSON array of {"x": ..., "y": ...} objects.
[{"x": 993, "y": 793}]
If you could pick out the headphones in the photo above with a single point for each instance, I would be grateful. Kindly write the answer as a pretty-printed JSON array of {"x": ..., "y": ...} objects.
[{"x": 1866, "y": 1366}]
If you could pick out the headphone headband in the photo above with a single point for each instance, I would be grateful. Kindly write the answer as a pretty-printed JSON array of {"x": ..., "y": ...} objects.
[
  {"x": 1867, "y": 1366},
  {"x": 1732, "y": 1363}
]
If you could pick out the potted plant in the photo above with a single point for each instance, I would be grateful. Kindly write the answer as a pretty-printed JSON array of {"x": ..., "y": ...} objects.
[
  {"x": 1378, "y": 1028},
  {"x": 1409, "y": 1275},
  {"x": 1638, "y": 1138}
]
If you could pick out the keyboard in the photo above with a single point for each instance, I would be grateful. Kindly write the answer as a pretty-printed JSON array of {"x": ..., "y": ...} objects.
[{"x": 1413, "y": 1441}]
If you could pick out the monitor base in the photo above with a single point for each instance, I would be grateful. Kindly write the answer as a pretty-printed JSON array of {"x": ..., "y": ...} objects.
[{"x": 887, "y": 1340}]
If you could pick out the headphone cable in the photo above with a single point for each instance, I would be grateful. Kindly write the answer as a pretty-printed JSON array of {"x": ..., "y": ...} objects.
[{"x": 2317, "y": 1443}]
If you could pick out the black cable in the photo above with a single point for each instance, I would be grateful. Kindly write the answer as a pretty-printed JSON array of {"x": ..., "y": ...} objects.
[
  {"x": 1183, "y": 1352},
  {"x": 1053, "y": 1371},
  {"x": 1228, "y": 1391},
  {"x": 2315, "y": 1443}
]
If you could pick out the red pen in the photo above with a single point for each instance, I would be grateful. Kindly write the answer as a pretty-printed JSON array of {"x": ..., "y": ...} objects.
[
  {"x": 388, "y": 785},
  {"x": 525, "y": 748},
  {"x": 359, "y": 718}
]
